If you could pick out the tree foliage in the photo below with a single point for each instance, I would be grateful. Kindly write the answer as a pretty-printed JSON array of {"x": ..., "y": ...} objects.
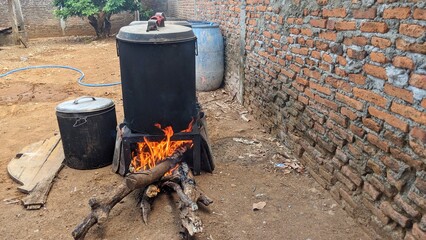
[{"x": 97, "y": 11}]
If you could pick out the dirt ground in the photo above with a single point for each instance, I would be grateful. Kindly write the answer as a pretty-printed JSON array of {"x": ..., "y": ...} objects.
[{"x": 296, "y": 206}]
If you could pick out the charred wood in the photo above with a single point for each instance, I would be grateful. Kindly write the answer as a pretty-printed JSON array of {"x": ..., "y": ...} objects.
[
  {"x": 146, "y": 200},
  {"x": 102, "y": 207}
]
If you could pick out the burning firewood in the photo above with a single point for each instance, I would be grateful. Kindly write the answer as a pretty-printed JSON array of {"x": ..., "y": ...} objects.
[{"x": 102, "y": 207}]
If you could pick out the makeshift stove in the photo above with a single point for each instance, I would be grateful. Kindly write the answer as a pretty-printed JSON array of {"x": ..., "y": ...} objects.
[
  {"x": 139, "y": 151},
  {"x": 164, "y": 133}
]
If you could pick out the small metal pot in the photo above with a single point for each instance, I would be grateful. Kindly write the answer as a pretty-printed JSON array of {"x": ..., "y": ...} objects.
[{"x": 88, "y": 131}]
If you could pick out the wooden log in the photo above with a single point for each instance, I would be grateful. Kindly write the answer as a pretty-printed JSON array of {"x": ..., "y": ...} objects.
[
  {"x": 187, "y": 202},
  {"x": 102, "y": 207},
  {"x": 146, "y": 200},
  {"x": 188, "y": 215},
  {"x": 144, "y": 178}
]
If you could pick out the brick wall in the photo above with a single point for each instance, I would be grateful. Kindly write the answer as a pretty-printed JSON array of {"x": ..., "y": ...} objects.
[
  {"x": 40, "y": 21},
  {"x": 343, "y": 83}
]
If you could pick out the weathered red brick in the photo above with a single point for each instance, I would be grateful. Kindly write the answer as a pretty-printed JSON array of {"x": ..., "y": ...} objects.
[
  {"x": 381, "y": 42},
  {"x": 345, "y": 26},
  {"x": 370, "y": 96},
  {"x": 320, "y": 88},
  {"x": 276, "y": 36},
  {"x": 312, "y": 73},
  {"x": 387, "y": 209},
  {"x": 340, "y": 72},
  {"x": 395, "y": 139},
  {"x": 409, "y": 112},
  {"x": 419, "y": 13},
  {"x": 302, "y": 81},
  {"x": 391, "y": 163},
  {"x": 376, "y": 71},
  {"x": 371, "y": 191},
  {"x": 412, "y": 30},
  {"x": 324, "y": 66},
  {"x": 369, "y": 13},
  {"x": 378, "y": 57},
  {"x": 326, "y": 102},
  {"x": 326, "y": 57},
  {"x": 267, "y": 34},
  {"x": 377, "y": 169},
  {"x": 374, "y": 27},
  {"x": 357, "y": 130},
  {"x": 307, "y": 32},
  {"x": 290, "y": 74},
  {"x": 399, "y": 93},
  {"x": 398, "y": 154},
  {"x": 376, "y": 211},
  {"x": 295, "y": 31},
  {"x": 341, "y": 120},
  {"x": 301, "y": 51},
  {"x": 347, "y": 197},
  {"x": 419, "y": 134},
  {"x": 261, "y": 8},
  {"x": 349, "y": 101},
  {"x": 339, "y": 84},
  {"x": 348, "y": 113},
  {"x": 390, "y": 119},
  {"x": 371, "y": 124},
  {"x": 357, "y": 78},
  {"x": 320, "y": 23},
  {"x": 401, "y": 44},
  {"x": 403, "y": 62},
  {"x": 406, "y": 206},
  {"x": 342, "y": 60},
  {"x": 303, "y": 99},
  {"x": 321, "y": 45},
  {"x": 348, "y": 183},
  {"x": 356, "y": 54},
  {"x": 359, "y": 41},
  {"x": 417, "y": 232},
  {"x": 423, "y": 103},
  {"x": 352, "y": 175},
  {"x": 398, "y": 12},
  {"x": 419, "y": 81},
  {"x": 331, "y": 36},
  {"x": 417, "y": 199},
  {"x": 376, "y": 141},
  {"x": 336, "y": 12}
]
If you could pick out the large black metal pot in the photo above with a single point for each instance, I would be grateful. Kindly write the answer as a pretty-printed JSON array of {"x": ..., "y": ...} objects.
[
  {"x": 157, "y": 76},
  {"x": 88, "y": 131}
]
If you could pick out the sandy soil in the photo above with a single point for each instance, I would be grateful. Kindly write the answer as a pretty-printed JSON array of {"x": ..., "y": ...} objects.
[{"x": 296, "y": 206}]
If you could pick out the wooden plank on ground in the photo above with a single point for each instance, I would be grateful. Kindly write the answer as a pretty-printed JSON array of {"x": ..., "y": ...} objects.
[
  {"x": 31, "y": 165},
  {"x": 38, "y": 196}
]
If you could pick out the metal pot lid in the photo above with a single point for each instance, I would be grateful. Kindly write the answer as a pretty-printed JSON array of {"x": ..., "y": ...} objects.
[
  {"x": 171, "y": 33},
  {"x": 85, "y": 104}
]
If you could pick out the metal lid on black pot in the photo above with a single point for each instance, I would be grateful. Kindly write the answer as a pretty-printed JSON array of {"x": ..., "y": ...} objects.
[
  {"x": 85, "y": 104},
  {"x": 171, "y": 33}
]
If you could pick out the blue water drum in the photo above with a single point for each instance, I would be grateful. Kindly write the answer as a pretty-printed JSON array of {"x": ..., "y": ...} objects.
[{"x": 210, "y": 58}]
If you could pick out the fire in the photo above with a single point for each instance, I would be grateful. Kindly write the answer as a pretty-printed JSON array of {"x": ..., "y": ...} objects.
[{"x": 148, "y": 153}]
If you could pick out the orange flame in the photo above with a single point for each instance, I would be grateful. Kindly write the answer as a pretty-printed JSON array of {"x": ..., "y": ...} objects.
[{"x": 148, "y": 153}]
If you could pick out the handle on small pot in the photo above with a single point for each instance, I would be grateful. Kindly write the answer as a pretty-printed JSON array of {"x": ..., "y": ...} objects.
[{"x": 83, "y": 97}]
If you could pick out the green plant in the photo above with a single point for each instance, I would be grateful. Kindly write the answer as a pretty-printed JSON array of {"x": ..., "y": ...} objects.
[{"x": 98, "y": 12}]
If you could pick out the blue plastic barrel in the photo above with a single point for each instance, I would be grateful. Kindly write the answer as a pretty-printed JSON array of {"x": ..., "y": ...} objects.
[{"x": 210, "y": 59}]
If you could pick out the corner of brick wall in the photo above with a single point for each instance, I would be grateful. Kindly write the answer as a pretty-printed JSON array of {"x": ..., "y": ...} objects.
[{"x": 343, "y": 83}]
